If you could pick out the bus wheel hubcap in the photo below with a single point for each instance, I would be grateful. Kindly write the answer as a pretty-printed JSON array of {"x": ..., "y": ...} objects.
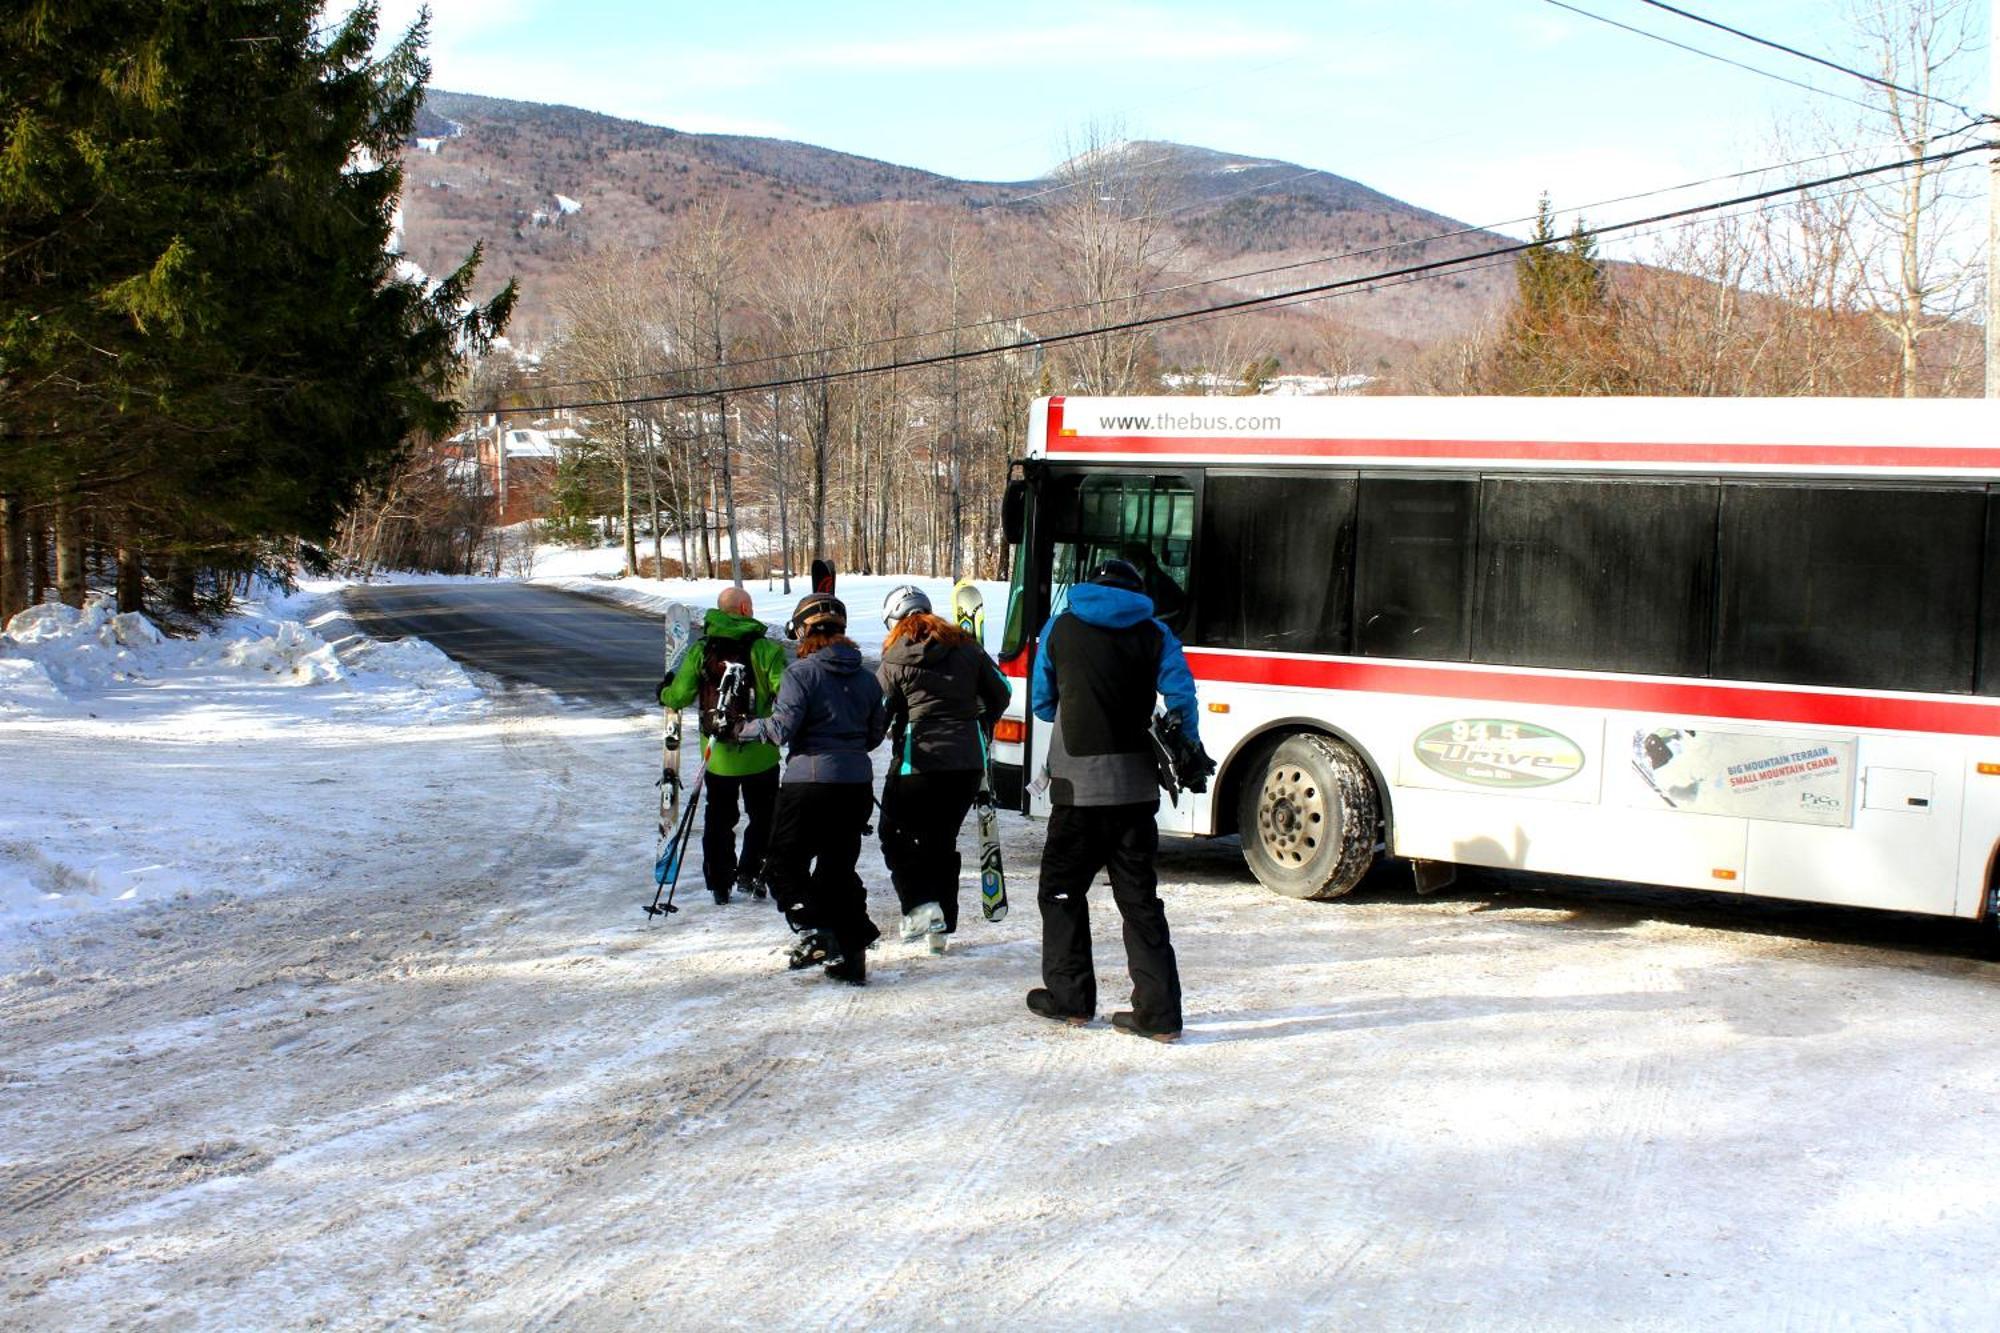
[{"x": 1291, "y": 817}]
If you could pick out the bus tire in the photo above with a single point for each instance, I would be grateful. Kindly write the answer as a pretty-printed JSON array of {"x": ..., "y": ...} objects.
[{"x": 1309, "y": 818}]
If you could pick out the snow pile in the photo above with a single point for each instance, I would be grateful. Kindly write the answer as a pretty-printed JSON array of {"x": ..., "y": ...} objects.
[
  {"x": 53, "y": 653},
  {"x": 53, "y": 646},
  {"x": 263, "y": 717},
  {"x": 290, "y": 653},
  {"x": 89, "y": 651},
  {"x": 414, "y": 663}
]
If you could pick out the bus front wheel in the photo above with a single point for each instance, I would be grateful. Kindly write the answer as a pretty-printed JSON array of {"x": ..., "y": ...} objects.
[{"x": 1309, "y": 819}]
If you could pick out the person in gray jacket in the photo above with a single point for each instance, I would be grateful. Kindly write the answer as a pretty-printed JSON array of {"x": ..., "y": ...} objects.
[
  {"x": 943, "y": 694},
  {"x": 1098, "y": 665},
  {"x": 828, "y": 715}
]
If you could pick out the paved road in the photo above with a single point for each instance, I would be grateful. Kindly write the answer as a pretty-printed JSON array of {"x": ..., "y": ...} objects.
[{"x": 577, "y": 646}]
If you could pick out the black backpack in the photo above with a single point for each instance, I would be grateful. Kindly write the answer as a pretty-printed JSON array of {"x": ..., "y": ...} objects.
[{"x": 717, "y": 708}]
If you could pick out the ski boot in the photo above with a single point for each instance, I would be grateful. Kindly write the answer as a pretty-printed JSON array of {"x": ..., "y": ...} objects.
[
  {"x": 751, "y": 885},
  {"x": 814, "y": 946},
  {"x": 721, "y": 896},
  {"x": 852, "y": 969},
  {"x": 925, "y": 922}
]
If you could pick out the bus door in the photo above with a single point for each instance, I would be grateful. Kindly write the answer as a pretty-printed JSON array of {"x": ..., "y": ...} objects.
[{"x": 1083, "y": 519}]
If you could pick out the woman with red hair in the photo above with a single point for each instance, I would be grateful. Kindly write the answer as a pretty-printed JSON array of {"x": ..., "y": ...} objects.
[{"x": 943, "y": 694}]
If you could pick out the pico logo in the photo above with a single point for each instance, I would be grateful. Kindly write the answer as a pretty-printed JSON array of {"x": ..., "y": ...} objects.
[{"x": 1497, "y": 752}]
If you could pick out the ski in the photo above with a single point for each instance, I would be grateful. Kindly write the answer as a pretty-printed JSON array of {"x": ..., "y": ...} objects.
[
  {"x": 968, "y": 608},
  {"x": 679, "y": 638},
  {"x": 822, "y": 576}
]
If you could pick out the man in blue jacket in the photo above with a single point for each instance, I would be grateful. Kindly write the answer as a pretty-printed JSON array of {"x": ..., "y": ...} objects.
[{"x": 1097, "y": 669}]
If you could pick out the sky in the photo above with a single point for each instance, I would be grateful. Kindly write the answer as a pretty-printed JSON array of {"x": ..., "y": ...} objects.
[{"x": 1470, "y": 108}]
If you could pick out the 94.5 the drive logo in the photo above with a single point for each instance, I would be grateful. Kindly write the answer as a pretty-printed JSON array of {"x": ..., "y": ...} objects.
[{"x": 1496, "y": 752}]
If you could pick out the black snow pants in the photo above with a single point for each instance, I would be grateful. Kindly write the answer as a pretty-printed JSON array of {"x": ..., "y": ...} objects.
[
  {"x": 815, "y": 841},
  {"x": 922, "y": 814},
  {"x": 1083, "y": 840},
  {"x": 758, "y": 793}
]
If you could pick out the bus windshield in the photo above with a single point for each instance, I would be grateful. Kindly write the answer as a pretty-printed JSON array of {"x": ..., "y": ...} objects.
[{"x": 1145, "y": 519}]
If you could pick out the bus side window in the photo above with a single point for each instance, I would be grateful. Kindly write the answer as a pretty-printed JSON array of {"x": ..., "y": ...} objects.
[
  {"x": 1416, "y": 540},
  {"x": 1596, "y": 575},
  {"x": 1276, "y": 559},
  {"x": 1868, "y": 587}
]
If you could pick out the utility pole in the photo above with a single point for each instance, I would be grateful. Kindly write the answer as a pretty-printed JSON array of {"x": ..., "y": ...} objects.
[
  {"x": 729, "y": 487},
  {"x": 1993, "y": 205}
]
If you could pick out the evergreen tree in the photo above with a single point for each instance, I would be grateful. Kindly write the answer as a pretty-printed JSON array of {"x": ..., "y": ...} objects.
[
  {"x": 1558, "y": 277},
  {"x": 203, "y": 339},
  {"x": 1553, "y": 338}
]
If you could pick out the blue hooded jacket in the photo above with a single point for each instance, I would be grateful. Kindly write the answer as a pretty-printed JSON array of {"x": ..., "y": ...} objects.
[{"x": 1101, "y": 754}]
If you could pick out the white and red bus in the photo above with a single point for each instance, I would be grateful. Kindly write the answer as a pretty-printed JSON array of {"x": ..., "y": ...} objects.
[{"x": 1745, "y": 645}]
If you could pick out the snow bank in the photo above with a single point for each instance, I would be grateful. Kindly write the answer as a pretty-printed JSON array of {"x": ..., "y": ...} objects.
[
  {"x": 51, "y": 653},
  {"x": 276, "y": 695}
]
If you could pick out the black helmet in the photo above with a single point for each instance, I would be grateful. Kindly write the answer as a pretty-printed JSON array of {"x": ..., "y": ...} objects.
[
  {"x": 1119, "y": 574},
  {"x": 817, "y": 611}
]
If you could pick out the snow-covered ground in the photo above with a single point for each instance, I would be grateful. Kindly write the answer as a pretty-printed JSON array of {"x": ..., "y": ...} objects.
[
  {"x": 381, "y": 1038},
  {"x": 594, "y": 572}
]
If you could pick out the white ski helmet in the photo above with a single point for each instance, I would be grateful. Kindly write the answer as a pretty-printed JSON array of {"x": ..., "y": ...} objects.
[{"x": 901, "y": 602}]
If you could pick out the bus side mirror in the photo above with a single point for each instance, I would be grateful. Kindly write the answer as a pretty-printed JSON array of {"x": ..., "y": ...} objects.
[{"x": 1013, "y": 511}]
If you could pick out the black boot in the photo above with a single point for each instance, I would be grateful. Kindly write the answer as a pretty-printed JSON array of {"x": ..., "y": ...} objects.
[
  {"x": 1041, "y": 1002},
  {"x": 852, "y": 969},
  {"x": 750, "y": 885},
  {"x": 1127, "y": 1021},
  {"x": 721, "y": 895}
]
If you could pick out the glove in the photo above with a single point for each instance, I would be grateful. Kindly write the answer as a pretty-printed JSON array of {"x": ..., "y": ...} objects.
[{"x": 660, "y": 690}]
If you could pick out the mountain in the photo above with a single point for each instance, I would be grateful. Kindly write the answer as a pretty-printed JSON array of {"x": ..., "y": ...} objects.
[{"x": 542, "y": 185}]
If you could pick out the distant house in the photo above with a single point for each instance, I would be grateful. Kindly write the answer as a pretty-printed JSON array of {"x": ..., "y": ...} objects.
[{"x": 517, "y": 466}]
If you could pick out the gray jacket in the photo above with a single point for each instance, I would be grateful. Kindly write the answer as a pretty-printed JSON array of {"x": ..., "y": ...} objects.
[
  {"x": 828, "y": 715},
  {"x": 943, "y": 701}
]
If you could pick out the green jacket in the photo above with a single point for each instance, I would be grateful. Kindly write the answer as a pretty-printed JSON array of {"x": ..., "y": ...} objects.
[{"x": 732, "y": 759}]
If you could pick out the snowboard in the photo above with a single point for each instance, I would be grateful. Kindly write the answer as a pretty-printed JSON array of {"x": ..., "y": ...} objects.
[
  {"x": 968, "y": 608},
  {"x": 679, "y": 639},
  {"x": 992, "y": 875},
  {"x": 822, "y": 576}
]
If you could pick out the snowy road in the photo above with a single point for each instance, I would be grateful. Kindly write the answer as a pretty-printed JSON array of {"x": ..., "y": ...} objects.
[
  {"x": 577, "y": 646},
  {"x": 440, "y": 1070}
]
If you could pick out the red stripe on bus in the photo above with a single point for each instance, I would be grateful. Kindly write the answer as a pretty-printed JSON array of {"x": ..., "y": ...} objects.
[
  {"x": 1550, "y": 451},
  {"x": 1748, "y": 703}
]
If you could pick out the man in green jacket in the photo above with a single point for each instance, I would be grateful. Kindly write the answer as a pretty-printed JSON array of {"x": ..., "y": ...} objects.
[{"x": 745, "y": 769}]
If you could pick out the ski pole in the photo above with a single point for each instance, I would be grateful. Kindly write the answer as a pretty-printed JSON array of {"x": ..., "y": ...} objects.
[{"x": 667, "y": 869}]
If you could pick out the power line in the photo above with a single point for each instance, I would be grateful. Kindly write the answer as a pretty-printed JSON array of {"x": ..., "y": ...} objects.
[
  {"x": 1272, "y": 300},
  {"x": 1505, "y": 261},
  {"x": 1817, "y": 60},
  {"x": 1146, "y": 293},
  {"x": 1708, "y": 55}
]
